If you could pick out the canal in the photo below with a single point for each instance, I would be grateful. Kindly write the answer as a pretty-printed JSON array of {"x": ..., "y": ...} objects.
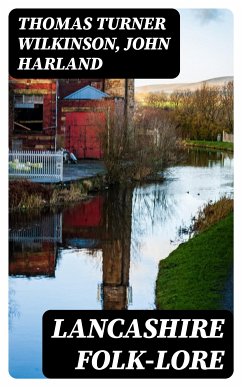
[{"x": 102, "y": 253}]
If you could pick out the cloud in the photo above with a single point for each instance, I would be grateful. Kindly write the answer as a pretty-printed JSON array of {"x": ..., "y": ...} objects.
[{"x": 208, "y": 15}]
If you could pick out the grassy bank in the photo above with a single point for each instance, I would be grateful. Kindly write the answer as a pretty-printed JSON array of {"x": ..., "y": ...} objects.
[
  {"x": 24, "y": 194},
  {"x": 194, "y": 275},
  {"x": 228, "y": 146}
]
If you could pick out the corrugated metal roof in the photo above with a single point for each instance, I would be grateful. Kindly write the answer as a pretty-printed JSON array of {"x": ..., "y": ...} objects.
[{"x": 87, "y": 92}]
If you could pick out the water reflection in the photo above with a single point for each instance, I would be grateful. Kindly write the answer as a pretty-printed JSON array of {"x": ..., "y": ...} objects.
[
  {"x": 201, "y": 157},
  {"x": 116, "y": 249},
  {"x": 111, "y": 226},
  {"x": 103, "y": 252},
  {"x": 33, "y": 242},
  {"x": 103, "y": 222}
]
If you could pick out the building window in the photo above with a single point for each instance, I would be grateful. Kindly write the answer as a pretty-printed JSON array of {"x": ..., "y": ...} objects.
[
  {"x": 28, "y": 112},
  {"x": 23, "y": 99}
]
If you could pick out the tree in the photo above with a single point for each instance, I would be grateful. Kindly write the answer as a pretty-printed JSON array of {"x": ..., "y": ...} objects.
[
  {"x": 140, "y": 148},
  {"x": 227, "y": 105},
  {"x": 204, "y": 113}
]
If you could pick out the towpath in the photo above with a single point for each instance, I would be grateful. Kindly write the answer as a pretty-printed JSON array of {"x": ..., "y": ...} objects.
[{"x": 82, "y": 170}]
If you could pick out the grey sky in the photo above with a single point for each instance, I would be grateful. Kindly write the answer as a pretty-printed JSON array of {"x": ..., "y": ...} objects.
[{"x": 206, "y": 46}]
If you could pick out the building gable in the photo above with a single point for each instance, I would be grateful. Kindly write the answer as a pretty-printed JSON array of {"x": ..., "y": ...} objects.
[{"x": 87, "y": 92}]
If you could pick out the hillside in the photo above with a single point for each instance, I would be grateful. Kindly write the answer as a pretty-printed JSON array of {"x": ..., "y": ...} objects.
[{"x": 170, "y": 88}]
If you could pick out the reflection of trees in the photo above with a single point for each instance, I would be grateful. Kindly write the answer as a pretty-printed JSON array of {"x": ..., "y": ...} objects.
[
  {"x": 112, "y": 224},
  {"x": 151, "y": 206},
  {"x": 198, "y": 157},
  {"x": 150, "y": 201}
]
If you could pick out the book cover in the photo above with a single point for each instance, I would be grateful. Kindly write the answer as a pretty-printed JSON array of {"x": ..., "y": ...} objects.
[{"x": 121, "y": 193}]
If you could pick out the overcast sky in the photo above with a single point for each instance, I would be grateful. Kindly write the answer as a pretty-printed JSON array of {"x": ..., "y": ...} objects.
[{"x": 206, "y": 46}]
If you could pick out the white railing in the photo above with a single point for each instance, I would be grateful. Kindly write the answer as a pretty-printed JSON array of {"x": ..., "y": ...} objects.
[
  {"x": 47, "y": 228},
  {"x": 41, "y": 166}
]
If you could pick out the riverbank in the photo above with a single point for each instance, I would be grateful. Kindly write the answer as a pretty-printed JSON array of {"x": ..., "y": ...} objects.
[
  {"x": 225, "y": 146},
  {"x": 196, "y": 274},
  {"x": 26, "y": 195}
]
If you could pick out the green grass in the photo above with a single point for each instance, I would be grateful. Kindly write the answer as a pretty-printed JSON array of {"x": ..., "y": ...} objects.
[
  {"x": 211, "y": 144},
  {"x": 194, "y": 275}
]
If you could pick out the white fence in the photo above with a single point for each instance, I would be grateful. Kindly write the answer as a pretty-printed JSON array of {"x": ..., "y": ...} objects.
[
  {"x": 39, "y": 166},
  {"x": 48, "y": 228}
]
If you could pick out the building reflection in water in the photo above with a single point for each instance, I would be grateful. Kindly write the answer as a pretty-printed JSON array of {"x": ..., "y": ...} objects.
[
  {"x": 102, "y": 222},
  {"x": 116, "y": 250},
  {"x": 33, "y": 243}
]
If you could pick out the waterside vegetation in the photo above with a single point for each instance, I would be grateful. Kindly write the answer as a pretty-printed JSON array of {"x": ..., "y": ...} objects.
[
  {"x": 220, "y": 145},
  {"x": 26, "y": 195},
  {"x": 194, "y": 276}
]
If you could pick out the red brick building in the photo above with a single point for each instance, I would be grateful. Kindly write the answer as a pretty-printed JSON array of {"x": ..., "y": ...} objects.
[{"x": 47, "y": 114}]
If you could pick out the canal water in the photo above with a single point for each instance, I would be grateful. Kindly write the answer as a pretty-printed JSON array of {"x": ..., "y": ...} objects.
[{"x": 102, "y": 253}]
